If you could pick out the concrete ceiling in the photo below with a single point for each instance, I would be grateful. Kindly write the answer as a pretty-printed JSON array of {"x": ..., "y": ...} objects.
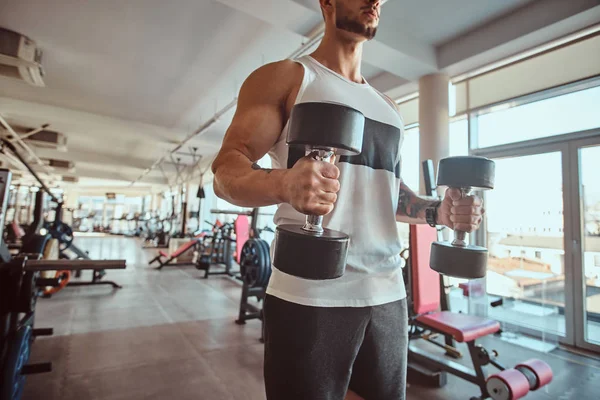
[{"x": 127, "y": 81}]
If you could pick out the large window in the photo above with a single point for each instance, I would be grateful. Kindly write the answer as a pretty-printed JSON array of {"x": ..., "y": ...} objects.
[
  {"x": 409, "y": 153},
  {"x": 572, "y": 112},
  {"x": 459, "y": 137}
]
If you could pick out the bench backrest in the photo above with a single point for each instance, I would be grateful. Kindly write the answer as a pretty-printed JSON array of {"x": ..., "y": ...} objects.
[
  {"x": 242, "y": 234},
  {"x": 425, "y": 285}
]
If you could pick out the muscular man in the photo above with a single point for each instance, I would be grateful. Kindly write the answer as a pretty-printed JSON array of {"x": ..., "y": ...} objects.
[{"x": 326, "y": 339}]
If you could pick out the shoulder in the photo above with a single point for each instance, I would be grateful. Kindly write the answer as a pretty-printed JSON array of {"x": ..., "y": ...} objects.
[
  {"x": 279, "y": 73},
  {"x": 277, "y": 79}
]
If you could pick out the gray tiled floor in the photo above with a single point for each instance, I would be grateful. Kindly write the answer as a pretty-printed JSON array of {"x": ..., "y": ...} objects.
[{"x": 171, "y": 335}]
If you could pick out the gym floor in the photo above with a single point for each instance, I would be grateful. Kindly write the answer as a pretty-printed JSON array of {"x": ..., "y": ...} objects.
[{"x": 171, "y": 333}]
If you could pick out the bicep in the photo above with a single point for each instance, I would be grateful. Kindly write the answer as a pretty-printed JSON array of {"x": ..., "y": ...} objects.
[
  {"x": 254, "y": 130},
  {"x": 261, "y": 111}
]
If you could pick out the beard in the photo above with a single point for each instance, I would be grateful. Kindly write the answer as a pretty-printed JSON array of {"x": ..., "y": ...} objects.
[{"x": 346, "y": 23}]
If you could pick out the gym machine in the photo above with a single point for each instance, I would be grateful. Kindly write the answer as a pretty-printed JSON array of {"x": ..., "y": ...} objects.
[
  {"x": 20, "y": 286},
  {"x": 255, "y": 270},
  {"x": 426, "y": 321},
  {"x": 427, "y": 255},
  {"x": 58, "y": 229},
  {"x": 217, "y": 248}
]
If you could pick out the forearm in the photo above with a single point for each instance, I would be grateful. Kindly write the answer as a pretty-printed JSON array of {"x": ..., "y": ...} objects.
[
  {"x": 241, "y": 182},
  {"x": 411, "y": 207}
]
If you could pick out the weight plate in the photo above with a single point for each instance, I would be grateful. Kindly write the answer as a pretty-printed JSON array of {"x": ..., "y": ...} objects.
[
  {"x": 468, "y": 262},
  {"x": 310, "y": 256},
  {"x": 262, "y": 270},
  {"x": 17, "y": 358},
  {"x": 266, "y": 264},
  {"x": 466, "y": 172},
  {"x": 344, "y": 127},
  {"x": 255, "y": 263},
  {"x": 250, "y": 259}
]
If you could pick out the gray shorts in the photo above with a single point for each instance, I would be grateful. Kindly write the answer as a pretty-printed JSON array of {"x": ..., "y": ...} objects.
[{"x": 316, "y": 353}]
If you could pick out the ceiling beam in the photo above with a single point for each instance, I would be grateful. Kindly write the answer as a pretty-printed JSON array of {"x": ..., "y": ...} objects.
[
  {"x": 80, "y": 123},
  {"x": 87, "y": 156},
  {"x": 119, "y": 176},
  {"x": 534, "y": 24}
]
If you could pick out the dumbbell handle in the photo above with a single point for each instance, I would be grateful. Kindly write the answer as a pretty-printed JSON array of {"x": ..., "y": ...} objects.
[
  {"x": 314, "y": 223},
  {"x": 460, "y": 237}
]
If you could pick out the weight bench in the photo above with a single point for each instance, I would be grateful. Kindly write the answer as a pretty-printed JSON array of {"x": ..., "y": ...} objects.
[
  {"x": 81, "y": 265},
  {"x": 180, "y": 250},
  {"x": 427, "y": 321}
]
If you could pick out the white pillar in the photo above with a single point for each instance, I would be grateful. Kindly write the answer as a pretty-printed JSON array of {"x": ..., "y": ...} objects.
[{"x": 434, "y": 122}]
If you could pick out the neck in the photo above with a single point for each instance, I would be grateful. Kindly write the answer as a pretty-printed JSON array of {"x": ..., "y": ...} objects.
[{"x": 340, "y": 54}]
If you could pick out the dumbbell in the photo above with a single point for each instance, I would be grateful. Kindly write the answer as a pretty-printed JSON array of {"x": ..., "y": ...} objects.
[
  {"x": 322, "y": 130},
  {"x": 458, "y": 258}
]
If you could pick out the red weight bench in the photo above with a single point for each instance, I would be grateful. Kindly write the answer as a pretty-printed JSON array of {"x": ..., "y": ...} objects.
[
  {"x": 192, "y": 244},
  {"x": 426, "y": 321}
]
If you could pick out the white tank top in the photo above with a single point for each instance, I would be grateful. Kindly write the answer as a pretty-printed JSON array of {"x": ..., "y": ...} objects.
[{"x": 366, "y": 203}]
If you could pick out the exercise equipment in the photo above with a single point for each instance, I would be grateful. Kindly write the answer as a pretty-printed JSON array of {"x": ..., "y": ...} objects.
[
  {"x": 255, "y": 263},
  {"x": 426, "y": 321},
  {"x": 458, "y": 258},
  {"x": 322, "y": 130},
  {"x": 21, "y": 283},
  {"x": 217, "y": 249},
  {"x": 58, "y": 229},
  {"x": 192, "y": 245},
  {"x": 255, "y": 267}
]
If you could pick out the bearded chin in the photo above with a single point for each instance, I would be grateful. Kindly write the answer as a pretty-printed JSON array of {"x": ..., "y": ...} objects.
[{"x": 346, "y": 24}]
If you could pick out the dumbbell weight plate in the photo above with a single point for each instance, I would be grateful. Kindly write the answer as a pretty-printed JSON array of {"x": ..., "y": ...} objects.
[
  {"x": 259, "y": 263},
  {"x": 310, "y": 256},
  {"x": 468, "y": 262},
  {"x": 18, "y": 355},
  {"x": 326, "y": 125},
  {"x": 266, "y": 264},
  {"x": 466, "y": 172},
  {"x": 250, "y": 259}
]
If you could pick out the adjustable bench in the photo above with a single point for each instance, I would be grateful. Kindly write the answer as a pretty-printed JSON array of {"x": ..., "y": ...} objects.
[
  {"x": 426, "y": 321},
  {"x": 192, "y": 244}
]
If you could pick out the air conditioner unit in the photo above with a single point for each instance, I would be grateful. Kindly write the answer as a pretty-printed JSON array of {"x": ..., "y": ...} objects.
[
  {"x": 20, "y": 58},
  {"x": 64, "y": 165},
  {"x": 72, "y": 179},
  {"x": 48, "y": 139}
]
